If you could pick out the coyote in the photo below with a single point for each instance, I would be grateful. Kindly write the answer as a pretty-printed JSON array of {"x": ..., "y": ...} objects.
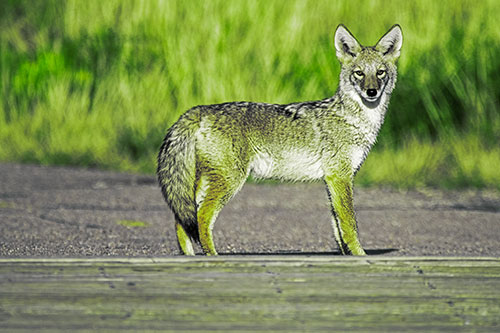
[{"x": 208, "y": 154}]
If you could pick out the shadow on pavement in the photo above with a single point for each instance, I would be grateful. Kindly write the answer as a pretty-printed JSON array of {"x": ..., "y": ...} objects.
[{"x": 300, "y": 253}]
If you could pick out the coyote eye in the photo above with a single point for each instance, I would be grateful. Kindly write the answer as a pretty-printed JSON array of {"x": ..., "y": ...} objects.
[
  {"x": 381, "y": 73},
  {"x": 359, "y": 74}
]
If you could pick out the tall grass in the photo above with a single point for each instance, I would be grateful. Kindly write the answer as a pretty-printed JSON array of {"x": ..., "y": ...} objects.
[{"x": 97, "y": 83}]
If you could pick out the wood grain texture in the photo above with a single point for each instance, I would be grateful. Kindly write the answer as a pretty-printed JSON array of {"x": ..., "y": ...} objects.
[{"x": 251, "y": 293}]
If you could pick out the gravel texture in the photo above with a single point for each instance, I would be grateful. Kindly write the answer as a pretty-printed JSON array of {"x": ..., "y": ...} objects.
[{"x": 59, "y": 211}]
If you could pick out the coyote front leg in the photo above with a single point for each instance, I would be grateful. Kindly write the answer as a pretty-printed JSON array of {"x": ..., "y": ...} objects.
[{"x": 344, "y": 222}]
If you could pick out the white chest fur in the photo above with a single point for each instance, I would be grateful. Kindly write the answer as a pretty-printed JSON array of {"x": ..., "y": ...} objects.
[{"x": 358, "y": 156}]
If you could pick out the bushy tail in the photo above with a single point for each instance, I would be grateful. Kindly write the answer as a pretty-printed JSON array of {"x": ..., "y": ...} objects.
[{"x": 177, "y": 172}]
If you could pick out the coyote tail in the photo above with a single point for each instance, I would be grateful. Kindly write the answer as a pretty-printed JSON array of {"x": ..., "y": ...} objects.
[{"x": 177, "y": 173}]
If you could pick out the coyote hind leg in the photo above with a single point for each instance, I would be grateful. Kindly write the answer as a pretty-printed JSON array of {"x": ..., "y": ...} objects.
[
  {"x": 183, "y": 240},
  {"x": 213, "y": 193}
]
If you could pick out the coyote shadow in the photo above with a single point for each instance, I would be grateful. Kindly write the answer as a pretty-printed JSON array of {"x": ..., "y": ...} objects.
[{"x": 373, "y": 252}]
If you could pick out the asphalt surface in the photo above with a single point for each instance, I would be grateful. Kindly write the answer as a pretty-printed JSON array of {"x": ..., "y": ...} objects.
[{"x": 61, "y": 212}]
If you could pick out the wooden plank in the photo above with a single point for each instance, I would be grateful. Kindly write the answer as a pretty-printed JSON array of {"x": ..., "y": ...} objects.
[{"x": 261, "y": 293}]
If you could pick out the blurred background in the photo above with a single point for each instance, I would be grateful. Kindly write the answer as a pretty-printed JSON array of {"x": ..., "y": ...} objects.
[{"x": 97, "y": 83}]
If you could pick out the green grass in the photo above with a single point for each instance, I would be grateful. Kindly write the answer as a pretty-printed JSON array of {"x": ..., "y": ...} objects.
[
  {"x": 458, "y": 163},
  {"x": 132, "y": 223},
  {"x": 97, "y": 83}
]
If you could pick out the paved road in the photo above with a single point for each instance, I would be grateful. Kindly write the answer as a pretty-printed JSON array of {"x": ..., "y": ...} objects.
[{"x": 55, "y": 211}]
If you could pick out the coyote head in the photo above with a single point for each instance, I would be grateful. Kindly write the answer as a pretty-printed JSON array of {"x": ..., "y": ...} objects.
[{"x": 368, "y": 72}]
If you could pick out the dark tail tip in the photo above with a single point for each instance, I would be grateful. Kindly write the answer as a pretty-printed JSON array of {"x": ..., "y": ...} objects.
[{"x": 191, "y": 229}]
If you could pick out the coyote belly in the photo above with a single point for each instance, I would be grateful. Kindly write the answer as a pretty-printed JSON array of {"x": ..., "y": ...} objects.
[
  {"x": 211, "y": 150},
  {"x": 295, "y": 165}
]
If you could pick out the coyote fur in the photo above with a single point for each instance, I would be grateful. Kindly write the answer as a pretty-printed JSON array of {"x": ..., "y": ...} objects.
[{"x": 208, "y": 154}]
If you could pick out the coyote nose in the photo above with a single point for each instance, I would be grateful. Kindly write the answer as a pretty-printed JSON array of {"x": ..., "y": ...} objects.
[{"x": 371, "y": 92}]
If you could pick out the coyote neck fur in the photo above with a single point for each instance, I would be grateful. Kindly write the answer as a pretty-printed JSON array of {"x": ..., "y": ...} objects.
[{"x": 367, "y": 119}]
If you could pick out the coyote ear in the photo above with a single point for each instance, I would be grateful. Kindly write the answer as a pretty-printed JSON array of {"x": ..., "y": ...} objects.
[
  {"x": 346, "y": 45},
  {"x": 390, "y": 43}
]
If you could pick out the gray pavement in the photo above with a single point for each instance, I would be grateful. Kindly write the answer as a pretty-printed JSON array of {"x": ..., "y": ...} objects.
[{"x": 60, "y": 212}]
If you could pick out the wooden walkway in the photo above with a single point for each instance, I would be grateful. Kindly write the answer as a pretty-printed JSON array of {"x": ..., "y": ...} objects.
[{"x": 254, "y": 293}]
